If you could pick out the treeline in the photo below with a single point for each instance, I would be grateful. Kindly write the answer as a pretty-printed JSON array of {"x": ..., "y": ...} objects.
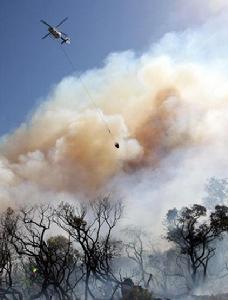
[{"x": 77, "y": 252}]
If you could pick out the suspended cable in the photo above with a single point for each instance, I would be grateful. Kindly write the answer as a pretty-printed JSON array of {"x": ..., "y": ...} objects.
[{"x": 89, "y": 95}]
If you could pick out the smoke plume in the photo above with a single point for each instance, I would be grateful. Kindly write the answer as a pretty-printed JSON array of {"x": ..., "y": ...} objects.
[{"x": 166, "y": 108}]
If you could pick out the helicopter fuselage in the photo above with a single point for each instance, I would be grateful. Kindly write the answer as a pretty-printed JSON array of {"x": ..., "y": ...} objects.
[{"x": 57, "y": 34}]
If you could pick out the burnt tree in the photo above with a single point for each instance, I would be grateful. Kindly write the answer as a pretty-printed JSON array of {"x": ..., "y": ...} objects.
[
  {"x": 194, "y": 234},
  {"x": 9, "y": 285},
  {"x": 49, "y": 263},
  {"x": 91, "y": 228}
]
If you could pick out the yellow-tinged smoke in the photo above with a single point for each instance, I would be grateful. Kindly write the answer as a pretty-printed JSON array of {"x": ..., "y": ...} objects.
[{"x": 152, "y": 106}]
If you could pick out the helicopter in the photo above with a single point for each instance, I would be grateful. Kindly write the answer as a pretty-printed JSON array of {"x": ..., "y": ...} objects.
[{"x": 55, "y": 33}]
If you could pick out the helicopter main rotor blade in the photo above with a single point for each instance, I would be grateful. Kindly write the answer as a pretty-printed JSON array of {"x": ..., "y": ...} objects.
[
  {"x": 44, "y": 37},
  {"x": 45, "y": 23},
  {"x": 64, "y": 20}
]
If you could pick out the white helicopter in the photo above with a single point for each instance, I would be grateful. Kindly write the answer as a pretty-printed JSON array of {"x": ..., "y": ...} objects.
[{"x": 55, "y": 33}]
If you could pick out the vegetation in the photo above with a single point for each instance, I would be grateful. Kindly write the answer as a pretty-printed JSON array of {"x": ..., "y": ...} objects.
[
  {"x": 90, "y": 259},
  {"x": 194, "y": 235}
]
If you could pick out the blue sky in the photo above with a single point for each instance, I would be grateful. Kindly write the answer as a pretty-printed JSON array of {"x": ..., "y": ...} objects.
[{"x": 30, "y": 66}]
